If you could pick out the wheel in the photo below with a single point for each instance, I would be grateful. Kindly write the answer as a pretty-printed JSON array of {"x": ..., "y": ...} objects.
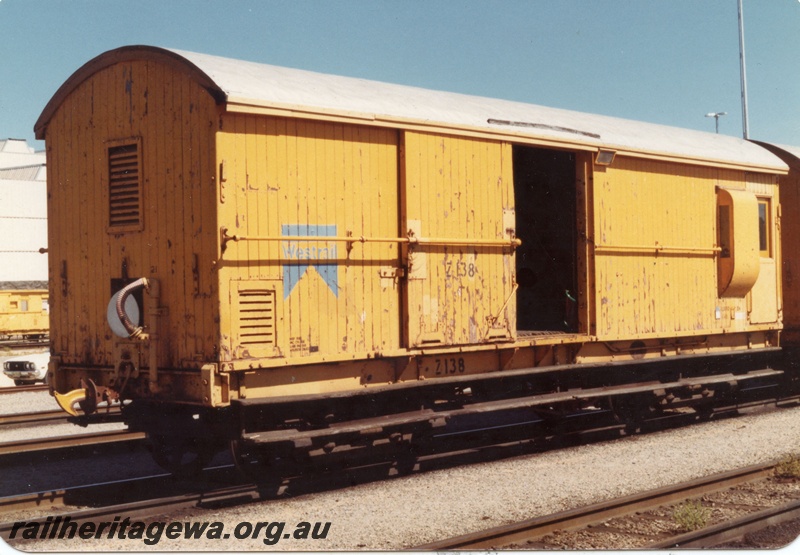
[
  {"x": 251, "y": 462},
  {"x": 183, "y": 457},
  {"x": 405, "y": 462},
  {"x": 704, "y": 412},
  {"x": 257, "y": 466},
  {"x": 629, "y": 411}
]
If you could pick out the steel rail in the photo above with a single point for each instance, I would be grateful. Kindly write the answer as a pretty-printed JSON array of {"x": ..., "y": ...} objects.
[
  {"x": 521, "y": 532},
  {"x": 33, "y": 418},
  {"x": 58, "y": 497},
  {"x": 47, "y": 443},
  {"x": 40, "y": 417},
  {"x": 23, "y": 388},
  {"x": 732, "y": 529},
  {"x": 48, "y": 499}
]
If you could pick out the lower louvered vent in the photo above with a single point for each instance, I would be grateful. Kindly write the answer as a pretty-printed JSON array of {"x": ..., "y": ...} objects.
[{"x": 257, "y": 318}]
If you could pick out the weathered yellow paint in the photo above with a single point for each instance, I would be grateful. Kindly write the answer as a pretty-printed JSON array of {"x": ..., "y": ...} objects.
[
  {"x": 739, "y": 259},
  {"x": 168, "y": 114},
  {"x": 641, "y": 207},
  {"x": 765, "y": 297},
  {"x": 459, "y": 189},
  {"x": 315, "y": 253},
  {"x": 656, "y": 251},
  {"x": 298, "y": 178},
  {"x": 764, "y": 303}
]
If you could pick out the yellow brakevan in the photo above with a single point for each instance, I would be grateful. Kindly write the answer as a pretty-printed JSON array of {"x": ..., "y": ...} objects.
[{"x": 236, "y": 240}]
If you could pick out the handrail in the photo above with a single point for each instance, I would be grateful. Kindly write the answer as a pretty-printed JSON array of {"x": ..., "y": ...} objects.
[
  {"x": 411, "y": 240},
  {"x": 658, "y": 248}
]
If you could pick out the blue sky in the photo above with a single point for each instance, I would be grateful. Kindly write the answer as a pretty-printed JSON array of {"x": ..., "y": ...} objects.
[{"x": 661, "y": 61}]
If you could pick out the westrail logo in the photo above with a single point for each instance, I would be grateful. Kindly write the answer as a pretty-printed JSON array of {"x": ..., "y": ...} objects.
[{"x": 299, "y": 256}]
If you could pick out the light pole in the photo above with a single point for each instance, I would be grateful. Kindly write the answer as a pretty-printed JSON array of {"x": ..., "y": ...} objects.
[
  {"x": 716, "y": 116},
  {"x": 743, "y": 75}
]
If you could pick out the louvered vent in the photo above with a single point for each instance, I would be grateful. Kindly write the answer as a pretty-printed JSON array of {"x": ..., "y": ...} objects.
[
  {"x": 257, "y": 317},
  {"x": 125, "y": 210}
]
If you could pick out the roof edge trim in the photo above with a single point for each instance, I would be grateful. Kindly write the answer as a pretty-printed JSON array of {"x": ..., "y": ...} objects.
[
  {"x": 119, "y": 55},
  {"x": 244, "y": 106}
]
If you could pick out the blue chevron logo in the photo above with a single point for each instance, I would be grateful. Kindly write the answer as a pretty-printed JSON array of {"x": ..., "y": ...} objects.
[{"x": 309, "y": 256}]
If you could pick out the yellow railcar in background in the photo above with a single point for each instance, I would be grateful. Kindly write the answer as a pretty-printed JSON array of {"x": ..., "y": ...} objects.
[
  {"x": 24, "y": 310},
  {"x": 271, "y": 257}
]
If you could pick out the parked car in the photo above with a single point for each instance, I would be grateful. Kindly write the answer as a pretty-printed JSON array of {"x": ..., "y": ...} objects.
[{"x": 27, "y": 369}]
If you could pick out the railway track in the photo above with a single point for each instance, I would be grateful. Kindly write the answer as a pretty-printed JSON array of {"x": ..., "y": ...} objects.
[
  {"x": 71, "y": 441},
  {"x": 137, "y": 495},
  {"x": 600, "y": 519},
  {"x": 40, "y": 418},
  {"x": 32, "y": 418},
  {"x": 733, "y": 529},
  {"x": 157, "y": 495},
  {"x": 23, "y": 389},
  {"x": 113, "y": 492},
  {"x": 160, "y": 497}
]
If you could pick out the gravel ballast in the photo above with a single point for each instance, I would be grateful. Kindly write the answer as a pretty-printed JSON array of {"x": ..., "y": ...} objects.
[
  {"x": 413, "y": 510},
  {"x": 27, "y": 401}
]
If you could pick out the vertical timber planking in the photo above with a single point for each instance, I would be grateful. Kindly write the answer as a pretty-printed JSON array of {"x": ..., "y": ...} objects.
[
  {"x": 648, "y": 204},
  {"x": 319, "y": 175},
  {"x": 131, "y": 101},
  {"x": 456, "y": 189}
]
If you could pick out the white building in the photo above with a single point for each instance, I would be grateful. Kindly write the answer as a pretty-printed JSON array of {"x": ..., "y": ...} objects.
[{"x": 23, "y": 214}]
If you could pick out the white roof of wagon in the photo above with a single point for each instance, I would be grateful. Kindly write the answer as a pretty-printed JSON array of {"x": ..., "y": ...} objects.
[{"x": 250, "y": 86}]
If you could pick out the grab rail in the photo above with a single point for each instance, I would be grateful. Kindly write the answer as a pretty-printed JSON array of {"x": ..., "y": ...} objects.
[{"x": 350, "y": 240}]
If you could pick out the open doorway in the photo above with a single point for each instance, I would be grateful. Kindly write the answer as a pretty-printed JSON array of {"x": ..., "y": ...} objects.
[{"x": 546, "y": 262}]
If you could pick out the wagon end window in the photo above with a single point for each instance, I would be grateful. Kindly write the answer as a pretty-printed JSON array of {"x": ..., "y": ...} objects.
[
  {"x": 725, "y": 231},
  {"x": 738, "y": 213},
  {"x": 764, "y": 228},
  {"x": 124, "y": 187}
]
